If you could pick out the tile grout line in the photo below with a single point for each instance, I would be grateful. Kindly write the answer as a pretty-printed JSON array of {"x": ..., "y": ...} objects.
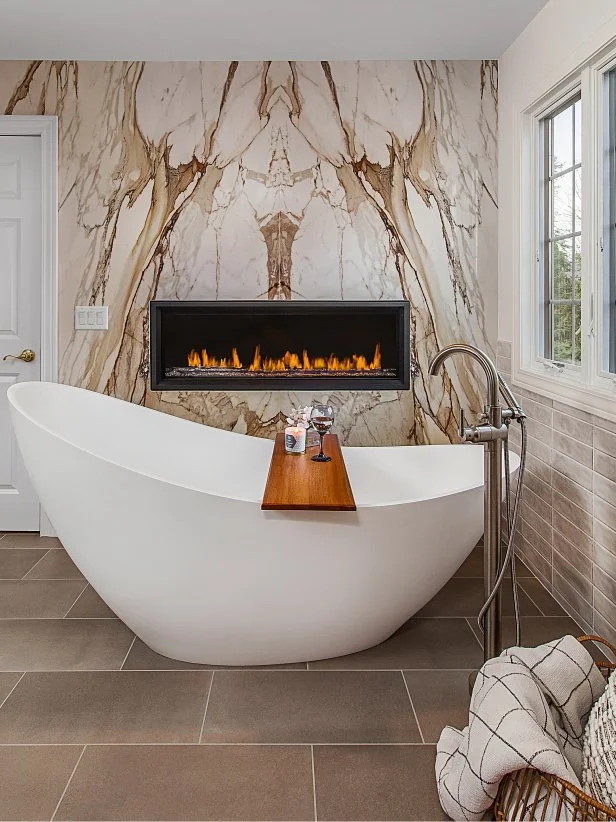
[
  {"x": 304, "y": 744},
  {"x": 531, "y": 599},
  {"x": 314, "y": 783},
  {"x": 470, "y": 627},
  {"x": 59, "y": 619},
  {"x": 207, "y": 702},
  {"x": 37, "y": 562},
  {"x": 53, "y": 816},
  {"x": 77, "y": 600},
  {"x": 12, "y": 689},
  {"x": 246, "y": 670},
  {"x": 408, "y": 693},
  {"x": 42, "y": 579},
  {"x": 130, "y": 647}
]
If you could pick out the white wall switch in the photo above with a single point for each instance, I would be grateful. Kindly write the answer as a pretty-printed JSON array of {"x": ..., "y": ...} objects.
[{"x": 91, "y": 317}]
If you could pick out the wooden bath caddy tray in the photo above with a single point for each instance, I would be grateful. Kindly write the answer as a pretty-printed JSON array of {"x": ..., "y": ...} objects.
[{"x": 296, "y": 483}]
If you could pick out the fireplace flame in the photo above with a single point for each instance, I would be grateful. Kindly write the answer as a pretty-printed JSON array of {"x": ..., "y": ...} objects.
[{"x": 289, "y": 362}]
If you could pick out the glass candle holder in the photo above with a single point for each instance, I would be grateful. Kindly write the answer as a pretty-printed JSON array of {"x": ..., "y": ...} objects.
[{"x": 295, "y": 439}]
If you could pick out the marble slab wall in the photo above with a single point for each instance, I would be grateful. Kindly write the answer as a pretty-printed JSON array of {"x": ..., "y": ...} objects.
[{"x": 274, "y": 180}]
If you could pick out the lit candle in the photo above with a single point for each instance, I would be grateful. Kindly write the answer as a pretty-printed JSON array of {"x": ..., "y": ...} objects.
[{"x": 295, "y": 439}]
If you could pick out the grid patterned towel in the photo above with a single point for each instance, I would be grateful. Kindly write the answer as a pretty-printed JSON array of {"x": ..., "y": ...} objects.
[{"x": 528, "y": 709}]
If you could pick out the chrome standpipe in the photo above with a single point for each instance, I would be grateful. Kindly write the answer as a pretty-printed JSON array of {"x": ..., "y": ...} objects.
[{"x": 492, "y": 432}]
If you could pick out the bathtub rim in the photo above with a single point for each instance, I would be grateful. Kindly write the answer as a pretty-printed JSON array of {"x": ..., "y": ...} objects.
[{"x": 13, "y": 397}]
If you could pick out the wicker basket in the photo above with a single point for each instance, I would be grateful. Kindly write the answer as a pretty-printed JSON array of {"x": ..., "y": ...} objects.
[{"x": 532, "y": 794}]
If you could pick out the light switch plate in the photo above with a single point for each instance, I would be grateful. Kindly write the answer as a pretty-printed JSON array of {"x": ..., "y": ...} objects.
[{"x": 91, "y": 317}]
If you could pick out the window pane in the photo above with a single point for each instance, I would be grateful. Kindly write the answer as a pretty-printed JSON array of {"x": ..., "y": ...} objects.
[
  {"x": 562, "y": 140},
  {"x": 578, "y": 131},
  {"x": 577, "y": 269},
  {"x": 562, "y": 205},
  {"x": 609, "y": 240},
  {"x": 562, "y": 278},
  {"x": 560, "y": 321},
  {"x": 577, "y": 339},
  {"x": 578, "y": 200},
  {"x": 563, "y": 332}
]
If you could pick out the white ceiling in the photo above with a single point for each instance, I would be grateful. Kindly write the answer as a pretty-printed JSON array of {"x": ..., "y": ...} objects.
[{"x": 260, "y": 29}]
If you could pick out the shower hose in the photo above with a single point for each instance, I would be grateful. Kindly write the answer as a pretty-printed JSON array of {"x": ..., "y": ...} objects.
[{"x": 512, "y": 519}]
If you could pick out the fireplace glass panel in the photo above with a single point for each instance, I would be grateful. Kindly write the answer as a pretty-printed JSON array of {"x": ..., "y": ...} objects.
[{"x": 279, "y": 345}]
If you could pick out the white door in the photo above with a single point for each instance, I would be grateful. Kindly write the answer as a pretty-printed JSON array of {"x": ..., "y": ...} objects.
[{"x": 20, "y": 313}]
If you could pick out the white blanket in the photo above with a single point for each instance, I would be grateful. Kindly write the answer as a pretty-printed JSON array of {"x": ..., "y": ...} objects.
[{"x": 528, "y": 709}]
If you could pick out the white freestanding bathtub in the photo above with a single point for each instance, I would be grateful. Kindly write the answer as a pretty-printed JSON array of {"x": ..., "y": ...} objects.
[{"x": 163, "y": 517}]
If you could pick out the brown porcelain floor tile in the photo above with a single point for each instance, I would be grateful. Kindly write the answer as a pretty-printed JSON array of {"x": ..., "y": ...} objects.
[
  {"x": 440, "y": 698},
  {"x": 142, "y": 658},
  {"x": 63, "y": 644},
  {"x": 309, "y": 706},
  {"x": 90, "y": 606},
  {"x": 542, "y": 598},
  {"x": 7, "y": 683},
  {"x": 191, "y": 783},
  {"x": 535, "y": 630},
  {"x": 33, "y": 779},
  {"x": 376, "y": 782},
  {"x": 106, "y": 706},
  {"x": 15, "y": 562},
  {"x": 38, "y": 599},
  {"x": 419, "y": 643},
  {"x": 55, "y": 565},
  {"x": 17, "y": 539},
  {"x": 473, "y": 566},
  {"x": 463, "y": 597}
]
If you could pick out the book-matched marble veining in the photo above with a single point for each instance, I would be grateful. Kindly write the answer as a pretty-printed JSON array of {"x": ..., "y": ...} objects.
[{"x": 274, "y": 180}]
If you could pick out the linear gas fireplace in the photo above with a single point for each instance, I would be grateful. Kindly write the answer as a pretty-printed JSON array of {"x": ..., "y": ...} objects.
[{"x": 284, "y": 345}]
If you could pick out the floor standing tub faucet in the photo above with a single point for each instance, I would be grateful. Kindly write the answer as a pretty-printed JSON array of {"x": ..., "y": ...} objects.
[{"x": 492, "y": 430}]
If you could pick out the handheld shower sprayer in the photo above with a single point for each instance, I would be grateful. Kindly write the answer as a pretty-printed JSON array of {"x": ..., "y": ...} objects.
[{"x": 493, "y": 431}]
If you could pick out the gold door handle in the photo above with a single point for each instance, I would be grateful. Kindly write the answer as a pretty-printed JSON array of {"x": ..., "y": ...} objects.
[{"x": 27, "y": 355}]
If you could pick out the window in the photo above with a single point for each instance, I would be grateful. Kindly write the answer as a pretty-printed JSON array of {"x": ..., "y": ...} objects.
[
  {"x": 565, "y": 343},
  {"x": 609, "y": 232},
  {"x": 561, "y": 192}
]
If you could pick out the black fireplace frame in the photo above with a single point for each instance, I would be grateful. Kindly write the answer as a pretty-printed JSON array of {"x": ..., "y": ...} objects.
[{"x": 398, "y": 308}]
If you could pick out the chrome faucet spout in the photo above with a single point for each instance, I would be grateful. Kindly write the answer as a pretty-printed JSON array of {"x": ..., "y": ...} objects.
[{"x": 485, "y": 362}]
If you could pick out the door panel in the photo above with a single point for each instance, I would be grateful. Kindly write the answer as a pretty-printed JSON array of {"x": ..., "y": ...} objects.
[
  {"x": 20, "y": 312},
  {"x": 9, "y": 265}
]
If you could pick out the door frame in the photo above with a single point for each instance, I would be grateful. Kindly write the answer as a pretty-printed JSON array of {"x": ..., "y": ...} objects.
[{"x": 45, "y": 127}]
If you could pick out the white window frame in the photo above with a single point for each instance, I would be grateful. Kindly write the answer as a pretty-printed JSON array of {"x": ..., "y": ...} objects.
[{"x": 587, "y": 386}]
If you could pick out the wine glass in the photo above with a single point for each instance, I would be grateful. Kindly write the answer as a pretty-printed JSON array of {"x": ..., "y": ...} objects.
[{"x": 322, "y": 419}]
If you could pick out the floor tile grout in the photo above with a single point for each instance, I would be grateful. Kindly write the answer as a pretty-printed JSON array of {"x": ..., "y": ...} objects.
[
  {"x": 473, "y": 633},
  {"x": 520, "y": 585},
  {"x": 229, "y": 670},
  {"x": 406, "y": 686},
  {"x": 43, "y": 579},
  {"x": 12, "y": 689},
  {"x": 53, "y": 816},
  {"x": 76, "y": 601},
  {"x": 59, "y": 619},
  {"x": 128, "y": 652},
  {"x": 314, "y": 783},
  {"x": 133, "y": 744},
  {"x": 40, "y": 559},
  {"x": 207, "y": 702}
]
